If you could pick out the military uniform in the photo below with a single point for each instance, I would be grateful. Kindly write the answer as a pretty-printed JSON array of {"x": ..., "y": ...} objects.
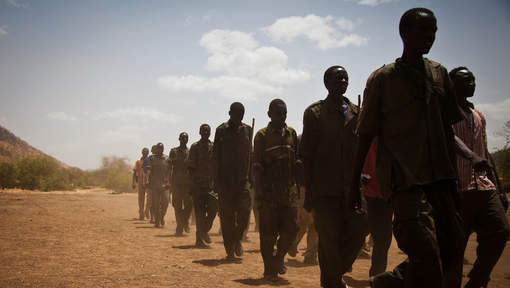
[
  {"x": 205, "y": 200},
  {"x": 158, "y": 171},
  {"x": 327, "y": 149},
  {"x": 180, "y": 187},
  {"x": 411, "y": 111},
  {"x": 231, "y": 153},
  {"x": 275, "y": 153}
]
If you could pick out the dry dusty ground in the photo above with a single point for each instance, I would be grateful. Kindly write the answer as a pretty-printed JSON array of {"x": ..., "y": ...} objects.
[{"x": 90, "y": 238}]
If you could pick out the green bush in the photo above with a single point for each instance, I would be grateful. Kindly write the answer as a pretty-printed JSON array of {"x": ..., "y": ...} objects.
[{"x": 8, "y": 175}]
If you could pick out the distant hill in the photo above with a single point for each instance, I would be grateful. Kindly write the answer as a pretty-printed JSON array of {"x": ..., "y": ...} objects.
[{"x": 13, "y": 148}]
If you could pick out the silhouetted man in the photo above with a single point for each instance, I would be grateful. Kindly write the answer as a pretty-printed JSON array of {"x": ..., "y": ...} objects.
[
  {"x": 482, "y": 207},
  {"x": 205, "y": 199},
  {"x": 410, "y": 106},
  {"x": 327, "y": 148},
  {"x": 158, "y": 170},
  {"x": 180, "y": 185},
  {"x": 231, "y": 154},
  {"x": 142, "y": 190},
  {"x": 275, "y": 160}
]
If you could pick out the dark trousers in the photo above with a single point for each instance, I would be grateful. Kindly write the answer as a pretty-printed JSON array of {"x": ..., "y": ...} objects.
[
  {"x": 341, "y": 236},
  {"x": 183, "y": 204},
  {"x": 278, "y": 225},
  {"x": 206, "y": 208},
  {"x": 379, "y": 225},
  {"x": 159, "y": 203},
  {"x": 428, "y": 229},
  {"x": 234, "y": 204},
  {"x": 484, "y": 214}
]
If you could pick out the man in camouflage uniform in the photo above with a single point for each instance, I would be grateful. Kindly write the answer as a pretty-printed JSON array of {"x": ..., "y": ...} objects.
[
  {"x": 231, "y": 157},
  {"x": 180, "y": 185},
  {"x": 142, "y": 190},
  {"x": 205, "y": 200},
  {"x": 410, "y": 106},
  {"x": 327, "y": 148},
  {"x": 157, "y": 170},
  {"x": 275, "y": 150}
]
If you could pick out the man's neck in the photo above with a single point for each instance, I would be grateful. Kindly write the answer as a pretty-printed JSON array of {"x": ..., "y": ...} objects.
[
  {"x": 182, "y": 146},
  {"x": 412, "y": 58}
]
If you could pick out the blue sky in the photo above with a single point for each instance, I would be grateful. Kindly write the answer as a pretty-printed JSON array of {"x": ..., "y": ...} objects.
[{"x": 85, "y": 79}]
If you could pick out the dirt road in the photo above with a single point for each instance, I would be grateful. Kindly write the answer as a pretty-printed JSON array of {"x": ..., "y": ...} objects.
[{"x": 90, "y": 238}]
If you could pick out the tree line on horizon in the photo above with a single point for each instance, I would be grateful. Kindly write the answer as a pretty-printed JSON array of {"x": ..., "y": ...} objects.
[{"x": 44, "y": 173}]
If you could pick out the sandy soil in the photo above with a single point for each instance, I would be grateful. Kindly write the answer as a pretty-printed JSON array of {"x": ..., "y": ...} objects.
[{"x": 90, "y": 238}]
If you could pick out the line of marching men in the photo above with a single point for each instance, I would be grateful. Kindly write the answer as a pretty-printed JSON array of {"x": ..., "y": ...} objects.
[{"x": 417, "y": 149}]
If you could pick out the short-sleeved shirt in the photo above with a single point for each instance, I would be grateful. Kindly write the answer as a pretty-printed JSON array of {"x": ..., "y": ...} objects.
[
  {"x": 178, "y": 162},
  {"x": 275, "y": 154},
  {"x": 471, "y": 130},
  {"x": 200, "y": 163},
  {"x": 159, "y": 171},
  {"x": 411, "y": 112},
  {"x": 231, "y": 154},
  {"x": 327, "y": 147}
]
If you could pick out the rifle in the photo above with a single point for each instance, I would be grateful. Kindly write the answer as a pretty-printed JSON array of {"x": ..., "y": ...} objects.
[
  {"x": 250, "y": 176},
  {"x": 493, "y": 175}
]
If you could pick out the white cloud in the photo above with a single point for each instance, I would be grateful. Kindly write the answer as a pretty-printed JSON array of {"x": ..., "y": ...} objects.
[
  {"x": 61, "y": 116},
  {"x": 497, "y": 110},
  {"x": 3, "y": 121},
  {"x": 247, "y": 69},
  {"x": 227, "y": 86},
  {"x": 372, "y": 2},
  {"x": 124, "y": 133},
  {"x": 3, "y": 30},
  {"x": 496, "y": 114},
  {"x": 17, "y": 4},
  {"x": 139, "y": 115},
  {"x": 326, "y": 32}
]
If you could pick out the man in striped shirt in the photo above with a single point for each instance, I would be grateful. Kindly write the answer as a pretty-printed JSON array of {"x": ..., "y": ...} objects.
[{"x": 481, "y": 206}]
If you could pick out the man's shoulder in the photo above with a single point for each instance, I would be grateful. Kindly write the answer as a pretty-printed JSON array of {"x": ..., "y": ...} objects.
[
  {"x": 314, "y": 107},
  {"x": 262, "y": 132},
  {"x": 291, "y": 130},
  {"x": 222, "y": 126},
  {"x": 383, "y": 71}
]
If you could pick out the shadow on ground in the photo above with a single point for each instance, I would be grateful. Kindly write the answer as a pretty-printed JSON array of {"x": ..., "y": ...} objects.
[
  {"x": 217, "y": 262},
  {"x": 297, "y": 264},
  {"x": 261, "y": 281},
  {"x": 356, "y": 283}
]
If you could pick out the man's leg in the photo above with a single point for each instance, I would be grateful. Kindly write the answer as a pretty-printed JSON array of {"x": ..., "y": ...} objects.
[
  {"x": 267, "y": 235},
  {"x": 187, "y": 204},
  {"x": 177, "y": 200},
  {"x": 156, "y": 204},
  {"x": 312, "y": 242},
  {"x": 227, "y": 220},
  {"x": 354, "y": 231},
  {"x": 379, "y": 222},
  {"x": 148, "y": 204},
  {"x": 200, "y": 206},
  {"x": 165, "y": 195},
  {"x": 141, "y": 200},
  {"x": 287, "y": 228},
  {"x": 303, "y": 224},
  {"x": 327, "y": 216},
  {"x": 242, "y": 208},
  {"x": 211, "y": 212},
  {"x": 492, "y": 229},
  {"x": 415, "y": 232}
]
